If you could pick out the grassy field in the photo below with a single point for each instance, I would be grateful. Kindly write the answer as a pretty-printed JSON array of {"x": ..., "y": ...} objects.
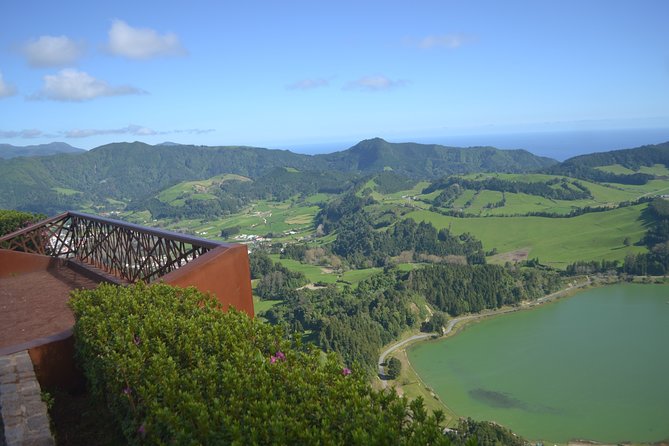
[
  {"x": 483, "y": 199},
  {"x": 555, "y": 241},
  {"x": 263, "y": 305},
  {"x": 195, "y": 189},
  {"x": 259, "y": 219},
  {"x": 317, "y": 273},
  {"x": 520, "y": 203},
  {"x": 66, "y": 191},
  {"x": 656, "y": 169}
]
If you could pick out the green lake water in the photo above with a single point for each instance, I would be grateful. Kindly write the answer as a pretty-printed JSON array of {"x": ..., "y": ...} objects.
[{"x": 594, "y": 366}]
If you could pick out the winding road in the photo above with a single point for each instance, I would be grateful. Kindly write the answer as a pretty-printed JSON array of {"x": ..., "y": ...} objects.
[
  {"x": 447, "y": 330},
  {"x": 453, "y": 322}
]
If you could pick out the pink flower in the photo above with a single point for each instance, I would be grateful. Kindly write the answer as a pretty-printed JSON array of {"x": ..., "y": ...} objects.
[
  {"x": 345, "y": 371},
  {"x": 141, "y": 430},
  {"x": 127, "y": 390},
  {"x": 280, "y": 355},
  {"x": 272, "y": 360}
]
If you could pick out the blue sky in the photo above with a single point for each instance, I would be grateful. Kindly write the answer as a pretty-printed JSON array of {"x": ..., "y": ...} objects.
[{"x": 277, "y": 74}]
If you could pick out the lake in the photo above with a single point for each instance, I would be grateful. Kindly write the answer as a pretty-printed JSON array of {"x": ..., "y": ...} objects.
[{"x": 594, "y": 366}]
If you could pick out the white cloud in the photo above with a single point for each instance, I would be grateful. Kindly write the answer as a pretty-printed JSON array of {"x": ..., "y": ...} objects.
[
  {"x": 6, "y": 90},
  {"x": 308, "y": 84},
  {"x": 142, "y": 43},
  {"x": 450, "y": 41},
  {"x": 190, "y": 131},
  {"x": 28, "y": 133},
  {"x": 51, "y": 51},
  {"x": 375, "y": 83},
  {"x": 135, "y": 130},
  {"x": 74, "y": 85}
]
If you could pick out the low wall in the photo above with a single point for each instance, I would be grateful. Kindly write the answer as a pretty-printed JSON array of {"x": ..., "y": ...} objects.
[
  {"x": 16, "y": 262},
  {"x": 223, "y": 272}
]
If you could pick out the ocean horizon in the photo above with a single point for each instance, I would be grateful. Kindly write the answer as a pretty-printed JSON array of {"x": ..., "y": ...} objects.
[{"x": 559, "y": 145}]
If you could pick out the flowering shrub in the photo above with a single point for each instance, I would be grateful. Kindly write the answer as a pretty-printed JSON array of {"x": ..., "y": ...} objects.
[{"x": 174, "y": 369}]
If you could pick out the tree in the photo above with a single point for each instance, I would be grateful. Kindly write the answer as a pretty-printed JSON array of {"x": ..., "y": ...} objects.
[
  {"x": 393, "y": 368},
  {"x": 436, "y": 323}
]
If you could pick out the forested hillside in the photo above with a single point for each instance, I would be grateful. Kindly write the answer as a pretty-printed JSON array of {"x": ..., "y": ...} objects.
[
  {"x": 431, "y": 160},
  {"x": 134, "y": 171},
  {"x": 586, "y": 166}
]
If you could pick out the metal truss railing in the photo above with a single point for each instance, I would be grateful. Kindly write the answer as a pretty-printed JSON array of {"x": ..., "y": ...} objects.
[{"x": 125, "y": 250}]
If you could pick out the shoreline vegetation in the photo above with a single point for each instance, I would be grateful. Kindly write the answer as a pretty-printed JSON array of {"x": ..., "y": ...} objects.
[{"x": 410, "y": 384}]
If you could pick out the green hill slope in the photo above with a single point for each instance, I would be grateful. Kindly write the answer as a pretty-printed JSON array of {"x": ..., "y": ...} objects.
[
  {"x": 131, "y": 171},
  {"x": 431, "y": 160}
]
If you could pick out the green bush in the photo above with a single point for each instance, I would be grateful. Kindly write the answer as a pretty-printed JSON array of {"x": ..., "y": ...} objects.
[
  {"x": 394, "y": 368},
  {"x": 174, "y": 369},
  {"x": 11, "y": 221}
]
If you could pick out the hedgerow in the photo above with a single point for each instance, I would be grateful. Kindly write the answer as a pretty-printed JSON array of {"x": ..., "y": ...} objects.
[{"x": 174, "y": 369}]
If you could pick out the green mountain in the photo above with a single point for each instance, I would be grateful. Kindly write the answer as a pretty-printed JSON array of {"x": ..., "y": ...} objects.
[
  {"x": 617, "y": 166},
  {"x": 126, "y": 171},
  {"x": 632, "y": 159},
  {"x": 431, "y": 160},
  {"x": 9, "y": 151},
  {"x": 133, "y": 171}
]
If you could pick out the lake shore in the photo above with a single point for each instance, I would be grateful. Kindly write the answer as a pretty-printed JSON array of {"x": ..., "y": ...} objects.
[{"x": 410, "y": 382}]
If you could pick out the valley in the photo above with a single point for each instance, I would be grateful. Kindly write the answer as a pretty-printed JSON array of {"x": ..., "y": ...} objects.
[{"x": 357, "y": 249}]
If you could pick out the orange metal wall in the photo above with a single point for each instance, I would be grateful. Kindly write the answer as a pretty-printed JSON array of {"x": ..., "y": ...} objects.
[
  {"x": 16, "y": 262},
  {"x": 223, "y": 272}
]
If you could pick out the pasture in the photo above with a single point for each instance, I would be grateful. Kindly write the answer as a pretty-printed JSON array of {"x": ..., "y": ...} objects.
[{"x": 555, "y": 241}]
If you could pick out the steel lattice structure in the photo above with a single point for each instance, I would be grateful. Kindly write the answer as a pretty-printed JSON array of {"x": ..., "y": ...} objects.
[{"x": 124, "y": 250}]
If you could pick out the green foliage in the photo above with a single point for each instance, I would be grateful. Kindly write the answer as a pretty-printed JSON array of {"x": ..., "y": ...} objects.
[
  {"x": 129, "y": 171},
  {"x": 584, "y": 166},
  {"x": 295, "y": 251},
  {"x": 390, "y": 183},
  {"x": 459, "y": 289},
  {"x": 230, "y": 231},
  {"x": 591, "y": 267},
  {"x": 430, "y": 160},
  {"x": 282, "y": 183},
  {"x": 11, "y": 221},
  {"x": 275, "y": 279},
  {"x": 483, "y": 433},
  {"x": 190, "y": 208},
  {"x": 655, "y": 262},
  {"x": 363, "y": 246},
  {"x": 659, "y": 207},
  {"x": 393, "y": 368},
  {"x": 436, "y": 323},
  {"x": 260, "y": 264},
  {"x": 555, "y": 189},
  {"x": 557, "y": 241},
  {"x": 174, "y": 369},
  {"x": 355, "y": 323}
]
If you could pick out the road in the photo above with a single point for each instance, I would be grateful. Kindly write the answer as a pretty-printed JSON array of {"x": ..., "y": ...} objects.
[
  {"x": 449, "y": 327},
  {"x": 453, "y": 322}
]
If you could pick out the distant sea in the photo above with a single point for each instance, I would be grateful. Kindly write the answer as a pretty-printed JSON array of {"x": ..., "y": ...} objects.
[{"x": 558, "y": 145}]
